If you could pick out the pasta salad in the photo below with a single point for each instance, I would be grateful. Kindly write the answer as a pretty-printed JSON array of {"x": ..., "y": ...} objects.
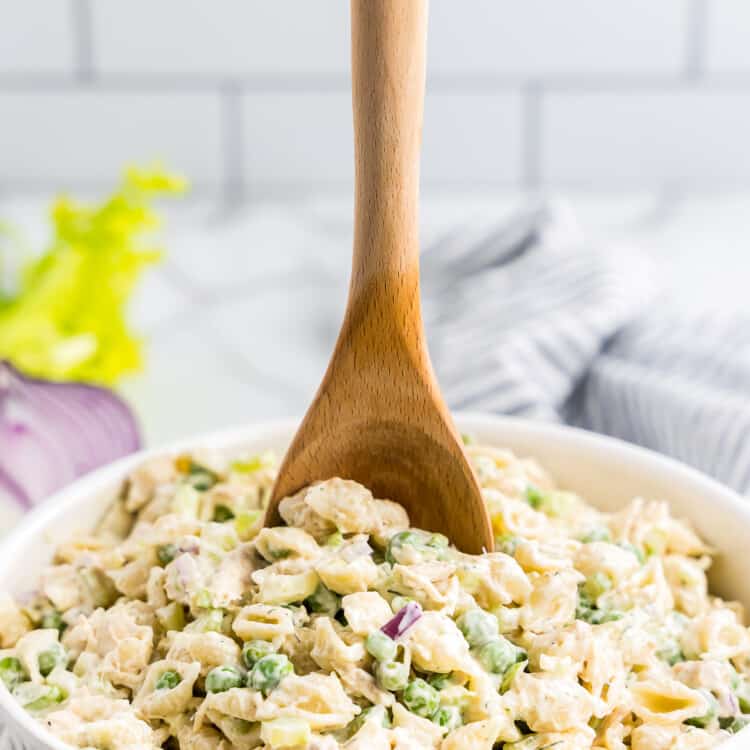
[{"x": 182, "y": 624}]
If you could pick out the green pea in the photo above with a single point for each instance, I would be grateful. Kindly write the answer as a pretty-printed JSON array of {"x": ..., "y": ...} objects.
[
  {"x": 586, "y": 608},
  {"x": 165, "y": 553},
  {"x": 438, "y": 541},
  {"x": 707, "y": 718},
  {"x": 553, "y": 503},
  {"x": 599, "y": 534},
  {"x": 420, "y": 698},
  {"x": 448, "y": 717},
  {"x": 254, "y": 651},
  {"x": 535, "y": 497},
  {"x": 12, "y": 672},
  {"x": 440, "y": 681},
  {"x": 405, "y": 546},
  {"x": 200, "y": 478},
  {"x": 478, "y": 626},
  {"x": 324, "y": 601},
  {"x": 380, "y": 646},
  {"x": 396, "y": 544},
  {"x": 53, "y": 619},
  {"x": 596, "y": 585},
  {"x": 222, "y": 514},
  {"x": 223, "y": 678},
  {"x": 742, "y": 691},
  {"x": 588, "y": 613},
  {"x": 168, "y": 680},
  {"x": 506, "y": 543},
  {"x": 734, "y": 724},
  {"x": 632, "y": 548},
  {"x": 392, "y": 675},
  {"x": 51, "y": 695},
  {"x": 54, "y": 656},
  {"x": 499, "y": 655},
  {"x": 279, "y": 554},
  {"x": 269, "y": 671},
  {"x": 671, "y": 653}
]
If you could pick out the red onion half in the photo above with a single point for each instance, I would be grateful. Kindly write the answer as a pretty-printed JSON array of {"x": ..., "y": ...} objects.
[
  {"x": 51, "y": 433},
  {"x": 402, "y": 620}
]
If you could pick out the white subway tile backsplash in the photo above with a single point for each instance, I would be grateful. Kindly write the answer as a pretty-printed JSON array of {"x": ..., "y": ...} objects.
[
  {"x": 728, "y": 35},
  {"x": 86, "y": 136},
  {"x": 304, "y": 139},
  {"x": 540, "y": 37},
  {"x": 472, "y": 138},
  {"x": 255, "y": 92},
  {"x": 299, "y": 139},
  {"x": 221, "y": 37},
  {"x": 472, "y": 36},
  {"x": 36, "y": 36},
  {"x": 695, "y": 137}
]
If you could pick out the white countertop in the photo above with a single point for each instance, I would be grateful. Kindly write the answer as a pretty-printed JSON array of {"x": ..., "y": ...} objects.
[{"x": 241, "y": 317}]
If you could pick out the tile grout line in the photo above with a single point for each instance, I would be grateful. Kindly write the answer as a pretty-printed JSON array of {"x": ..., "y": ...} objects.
[
  {"x": 696, "y": 46},
  {"x": 232, "y": 144},
  {"x": 737, "y": 80},
  {"x": 531, "y": 135},
  {"x": 83, "y": 36}
]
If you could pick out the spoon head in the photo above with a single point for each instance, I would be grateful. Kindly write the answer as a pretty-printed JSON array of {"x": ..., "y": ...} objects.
[{"x": 420, "y": 464}]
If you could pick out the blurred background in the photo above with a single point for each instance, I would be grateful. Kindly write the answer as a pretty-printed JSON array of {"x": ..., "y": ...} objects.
[{"x": 624, "y": 126}]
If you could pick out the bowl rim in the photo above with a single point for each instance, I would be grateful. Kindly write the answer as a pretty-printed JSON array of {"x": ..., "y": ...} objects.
[{"x": 604, "y": 446}]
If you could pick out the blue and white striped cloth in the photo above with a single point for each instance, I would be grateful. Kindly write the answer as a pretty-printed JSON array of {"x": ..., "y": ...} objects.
[{"x": 527, "y": 319}]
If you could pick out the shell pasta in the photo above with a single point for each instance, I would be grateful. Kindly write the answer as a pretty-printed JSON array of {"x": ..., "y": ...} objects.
[{"x": 181, "y": 624}]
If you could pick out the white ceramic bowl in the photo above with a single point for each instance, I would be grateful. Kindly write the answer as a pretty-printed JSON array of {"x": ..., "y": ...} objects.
[{"x": 607, "y": 472}]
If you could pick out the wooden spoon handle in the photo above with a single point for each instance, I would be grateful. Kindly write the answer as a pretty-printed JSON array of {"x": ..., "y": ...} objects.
[{"x": 388, "y": 80}]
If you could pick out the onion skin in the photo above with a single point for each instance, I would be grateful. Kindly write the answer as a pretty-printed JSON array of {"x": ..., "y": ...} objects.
[{"x": 53, "y": 432}]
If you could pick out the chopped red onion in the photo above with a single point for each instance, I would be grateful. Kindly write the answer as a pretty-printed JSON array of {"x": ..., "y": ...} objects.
[
  {"x": 402, "y": 620},
  {"x": 728, "y": 704},
  {"x": 51, "y": 433},
  {"x": 190, "y": 545},
  {"x": 186, "y": 569}
]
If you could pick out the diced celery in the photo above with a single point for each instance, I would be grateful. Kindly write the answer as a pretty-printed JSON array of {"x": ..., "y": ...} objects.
[
  {"x": 172, "y": 617},
  {"x": 335, "y": 540},
  {"x": 285, "y": 732},
  {"x": 655, "y": 542},
  {"x": 202, "y": 599},
  {"x": 38, "y": 697},
  {"x": 185, "y": 501},
  {"x": 12, "y": 672},
  {"x": 101, "y": 589},
  {"x": 596, "y": 585},
  {"x": 510, "y": 675},
  {"x": 247, "y": 523},
  {"x": 210, "y": 621},
  {"x": 220, "y": 536},
  {"x": 253, "y": 464}
]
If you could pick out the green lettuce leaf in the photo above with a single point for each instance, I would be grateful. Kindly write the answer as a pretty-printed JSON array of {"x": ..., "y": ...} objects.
[{"x": 66, "y": 321}]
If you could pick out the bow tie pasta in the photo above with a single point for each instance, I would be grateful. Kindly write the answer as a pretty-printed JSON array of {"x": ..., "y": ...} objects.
[{"x": 182, "y": 624}]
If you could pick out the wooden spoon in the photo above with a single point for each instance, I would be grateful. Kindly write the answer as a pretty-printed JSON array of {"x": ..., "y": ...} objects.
[{"x": 378, "y": 416}]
